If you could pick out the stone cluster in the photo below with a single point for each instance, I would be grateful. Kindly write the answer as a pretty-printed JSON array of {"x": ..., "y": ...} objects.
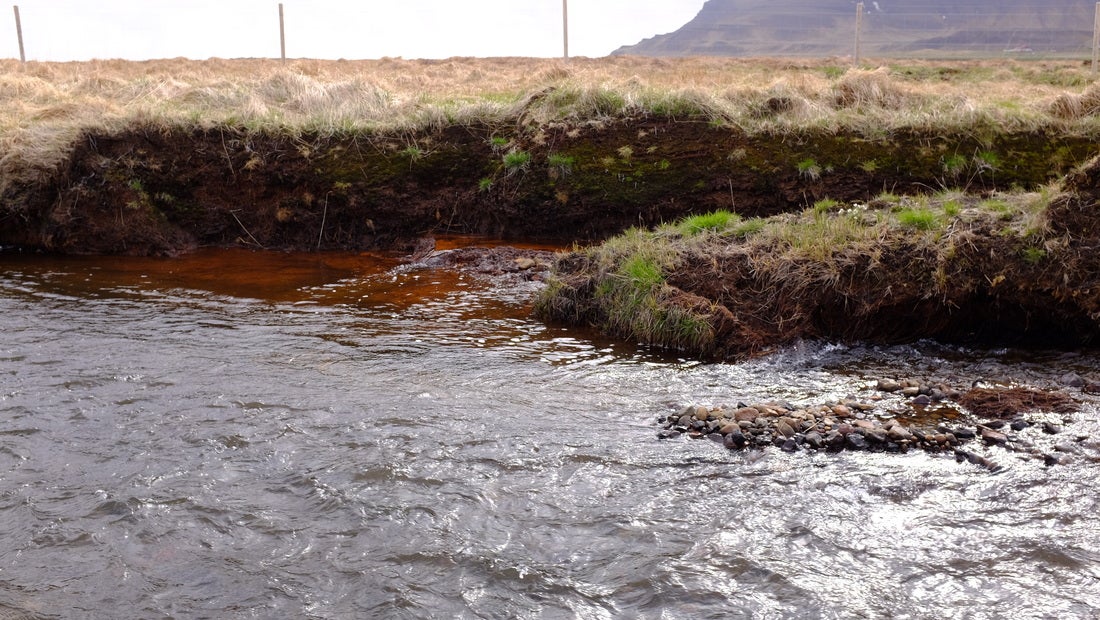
[
  {"x": 845, "y": 425},
  {"x": 854, "y": 425},
  {"x": 922, "y": 393}
]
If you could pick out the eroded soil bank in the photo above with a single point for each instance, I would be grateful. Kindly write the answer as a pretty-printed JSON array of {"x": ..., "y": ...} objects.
[
  {"x": 158, "y": 191},
  {"x": 162, "y": 191},
  {"x": 965, "y": 270}
]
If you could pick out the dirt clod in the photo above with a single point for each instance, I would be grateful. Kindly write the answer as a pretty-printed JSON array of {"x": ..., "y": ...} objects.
[{"x": 1003, "y": 403}]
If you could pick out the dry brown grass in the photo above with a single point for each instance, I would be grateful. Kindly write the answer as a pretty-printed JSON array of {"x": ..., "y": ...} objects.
[
  {"x": 1075, "y": 106},
  {"x": 46, "y": 106}
]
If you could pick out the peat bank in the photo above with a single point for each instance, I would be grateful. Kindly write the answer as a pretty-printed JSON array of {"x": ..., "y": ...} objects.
[{"x": 730, "y": 213}]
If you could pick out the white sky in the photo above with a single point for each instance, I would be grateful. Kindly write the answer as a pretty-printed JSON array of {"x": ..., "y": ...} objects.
[{"x": 61, "y": 30}]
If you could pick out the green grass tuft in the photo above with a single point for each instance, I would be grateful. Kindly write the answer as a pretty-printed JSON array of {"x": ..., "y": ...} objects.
[
  {"x": 987, "y": 161},
  {"x": 517, "y": 160},
  {"x": 920, "y": 219},
  {"x": 562, "y": 163},
  {"x": 809, "y": 169},
  {"x": 954, "y": 165},
  {"x": 750, "y": 227},
  {"x": 1033, "y": 255},
  {"x": 713, "y": 221},
  {"x": 413, "y": 152},
  {"x": 643, "y": 273}
]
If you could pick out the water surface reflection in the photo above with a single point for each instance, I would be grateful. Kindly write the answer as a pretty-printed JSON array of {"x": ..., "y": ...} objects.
[{"x": 238, "y": 434}]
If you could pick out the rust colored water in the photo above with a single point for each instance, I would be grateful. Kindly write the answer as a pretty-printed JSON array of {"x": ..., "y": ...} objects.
[{"x": 235, "y": 435}]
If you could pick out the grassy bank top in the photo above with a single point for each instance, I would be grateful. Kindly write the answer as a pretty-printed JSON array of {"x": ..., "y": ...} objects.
[
  {"x": 1009, "y": 268},
  {"x": 46, "y": 105}
]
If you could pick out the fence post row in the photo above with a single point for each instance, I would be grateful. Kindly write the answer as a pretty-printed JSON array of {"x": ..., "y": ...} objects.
[
  {"x": 565, "y": 28},
  {"x": 565, "y": 34},
  {"x": 1095, "y": 39},
  {"x": 859, "y": 33},
  {"x": 19, "y": 35},
  {"x": 282, "y": 34}
]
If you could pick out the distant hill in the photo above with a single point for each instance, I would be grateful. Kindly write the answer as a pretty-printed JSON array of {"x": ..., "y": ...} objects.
[{"x": 890, "y": 27}]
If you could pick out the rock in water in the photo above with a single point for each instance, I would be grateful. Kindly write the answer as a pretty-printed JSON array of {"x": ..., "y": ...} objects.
[
  {"x": 991, "y": 436},
  {"x": 735, "y": 440},
  {"x": 815, "y": 440},
  {"x": 855, "y": 441},
  {"x": 888, "y": 385}
]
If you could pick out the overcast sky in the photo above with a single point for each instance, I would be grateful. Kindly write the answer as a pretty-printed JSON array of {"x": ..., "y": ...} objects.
[{"x": 353, "y": 29}]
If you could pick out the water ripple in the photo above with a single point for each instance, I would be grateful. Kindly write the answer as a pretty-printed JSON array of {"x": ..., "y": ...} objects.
[{"x": 334, "y": 436}]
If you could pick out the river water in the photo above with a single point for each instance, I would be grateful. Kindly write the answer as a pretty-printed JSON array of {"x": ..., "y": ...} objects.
[{"x": 261, "y": 435}]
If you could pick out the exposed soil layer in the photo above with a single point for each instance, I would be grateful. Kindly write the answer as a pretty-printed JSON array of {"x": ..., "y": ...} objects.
[
  {"x": 156, "y": 191},
  {"x": 979, "y": 280},
  {"x": 163, "y": 191}
]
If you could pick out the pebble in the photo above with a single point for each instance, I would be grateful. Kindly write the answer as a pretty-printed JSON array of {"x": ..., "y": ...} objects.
[
  {"x": 991, "y": 436},
  {"x": 1072, "y": 379},
  {"x": 876, "y": 435},
  {"x": 897, "y": 432},
  {"x": 1066, "y": 448},
  {"x": 965, "y": 433},
  {"x": 746, "y": 414},
  {"x": 1056, "y": 459},
  {"x": 888, "y": 385},
  {"x": 735, "y": 440},
  {"x": 815, "y": 440},
  {"x": 976, "y": 459}
]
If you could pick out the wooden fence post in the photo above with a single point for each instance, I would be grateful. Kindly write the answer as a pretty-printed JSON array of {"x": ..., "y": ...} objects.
[
  {"x": 565, "y": 27},
  {"x": 282, "y": 34},
  {"x": 1095, "y": 39},
  {"x": 19, "y": 35},
  {"x": 859, "y": 33}
]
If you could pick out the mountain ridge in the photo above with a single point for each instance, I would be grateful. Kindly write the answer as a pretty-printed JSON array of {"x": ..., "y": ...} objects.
[{"x": 889, "y": 27}]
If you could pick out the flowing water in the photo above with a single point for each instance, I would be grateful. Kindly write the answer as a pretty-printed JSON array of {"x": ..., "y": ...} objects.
[{"x": 263, "y": 435}]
